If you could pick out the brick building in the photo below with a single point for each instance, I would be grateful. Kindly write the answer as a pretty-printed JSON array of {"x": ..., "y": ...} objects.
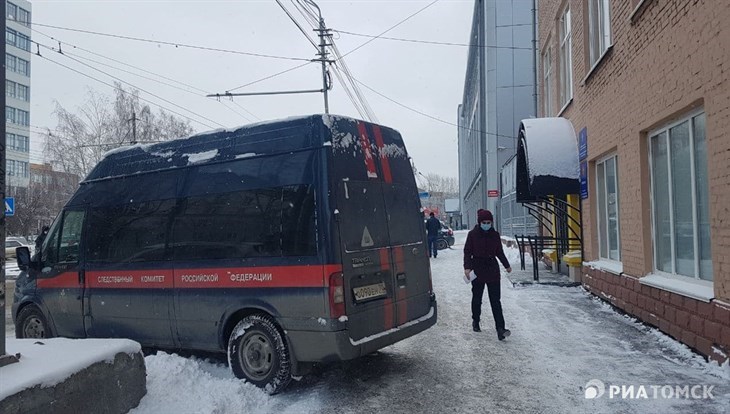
[{"x": 647, "y": 82}]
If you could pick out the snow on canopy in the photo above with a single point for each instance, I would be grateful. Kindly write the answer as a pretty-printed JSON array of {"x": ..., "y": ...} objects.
[{"x": 547, "y": 158}]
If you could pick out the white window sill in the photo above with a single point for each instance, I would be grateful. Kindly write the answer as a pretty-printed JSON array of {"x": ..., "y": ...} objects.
[
  {"x": 567, "y": 104},
  {"x": 595, "y": 65},
  {"x": 609, "y": 266},
  {"x": 681, "y": 285}
]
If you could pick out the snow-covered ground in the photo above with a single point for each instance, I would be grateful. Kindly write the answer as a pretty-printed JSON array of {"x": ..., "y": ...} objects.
[{"x": 562, "y": 338}]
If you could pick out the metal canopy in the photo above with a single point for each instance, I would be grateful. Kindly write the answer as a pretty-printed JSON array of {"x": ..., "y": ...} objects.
[{"x": 547, "y": 159}]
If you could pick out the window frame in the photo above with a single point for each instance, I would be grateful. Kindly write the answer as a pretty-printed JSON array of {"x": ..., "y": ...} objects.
[
  {"x": 547, "y": 105},
  {"x": 665, "y": 129},
  {"x": 603, "y": 31},
  {"x": 602, "y": 163},
  {"x": 565, "y": 33}
]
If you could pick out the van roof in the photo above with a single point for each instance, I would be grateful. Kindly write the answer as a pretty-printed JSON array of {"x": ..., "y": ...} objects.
[{"x": 260, "y": 139}]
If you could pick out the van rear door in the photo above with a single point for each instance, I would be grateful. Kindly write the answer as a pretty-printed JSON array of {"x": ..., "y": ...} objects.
[{"x": 385, "y": 267}]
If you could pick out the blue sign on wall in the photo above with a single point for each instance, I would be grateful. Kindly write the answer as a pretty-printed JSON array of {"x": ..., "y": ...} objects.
[
  {"x": 9, "y": 206},
  {"x": 583, "y": 144},
  {"x": 583, "y": 180}
]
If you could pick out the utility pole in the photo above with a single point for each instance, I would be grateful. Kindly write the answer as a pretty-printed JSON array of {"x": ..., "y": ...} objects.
[
  {"x": 4, "y": 358},
  {"x": 323, "y": 33},
  {"x": 134, "y": 126}
]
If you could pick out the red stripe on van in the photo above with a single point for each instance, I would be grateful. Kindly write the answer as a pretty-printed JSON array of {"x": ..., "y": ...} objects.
[
  {"x": 62, "y": 280},
  {"x": 384, "y": 162},
  {"x": 365, "y": 143},
  {"x": 209, "y": 278},
  {"x": 388, "y": 302},
  {"x": 401, "y": 295}
]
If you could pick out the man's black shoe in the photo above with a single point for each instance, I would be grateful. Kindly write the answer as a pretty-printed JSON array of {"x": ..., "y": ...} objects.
[
  {"x": 475, "y": 326},
  {"x": 502, "y": 334}
]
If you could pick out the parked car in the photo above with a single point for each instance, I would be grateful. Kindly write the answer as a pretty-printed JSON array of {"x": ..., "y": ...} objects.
[{"x": 10, "y": 245}]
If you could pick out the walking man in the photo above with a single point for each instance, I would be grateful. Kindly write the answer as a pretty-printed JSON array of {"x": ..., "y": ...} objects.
[
  {"x": 482, "y": 249},
  {"x": 433, "y": 225}
]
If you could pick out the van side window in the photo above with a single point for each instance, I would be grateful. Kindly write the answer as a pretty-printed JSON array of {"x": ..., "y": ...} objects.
[
  {"x": 298, "y": 227},
  {"x": 66, "y": 248},
  {"x": 405, "y": 220},
  {"x": 133, "y": 232},
  {"x": 231, "y": 225}
]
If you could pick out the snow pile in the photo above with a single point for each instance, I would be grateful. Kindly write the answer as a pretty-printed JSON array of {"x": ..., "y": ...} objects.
[
  {"x": 47, "y": 362},
  {"x": 513, "y": 256},
  {"x": 183, "y": 385},
  {"x": 201, "y": 156},
  {"x": 552, "y": 148}
]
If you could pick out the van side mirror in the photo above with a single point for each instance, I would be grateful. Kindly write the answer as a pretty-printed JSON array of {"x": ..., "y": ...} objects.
[{"x": 23, "y": 255}]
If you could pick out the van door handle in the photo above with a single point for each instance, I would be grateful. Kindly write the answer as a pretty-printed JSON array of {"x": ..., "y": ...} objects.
[{"x": 401, "y": 280}]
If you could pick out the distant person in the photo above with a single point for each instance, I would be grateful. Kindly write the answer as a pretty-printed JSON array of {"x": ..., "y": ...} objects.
[
  {"x": 433, "y": 226},
  {"x": 41, "y": 237},
  {"x": 482, "y": 249}
]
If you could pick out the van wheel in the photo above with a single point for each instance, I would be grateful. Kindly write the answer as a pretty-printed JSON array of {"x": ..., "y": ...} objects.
[
  {"x": 32, "y": 324},
  {"x": 442, "y": 244},
  {"x": 258, "y": 353}
]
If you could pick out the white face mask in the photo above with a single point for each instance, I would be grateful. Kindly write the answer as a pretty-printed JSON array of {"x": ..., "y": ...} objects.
[{"x": 485, "y": 227}]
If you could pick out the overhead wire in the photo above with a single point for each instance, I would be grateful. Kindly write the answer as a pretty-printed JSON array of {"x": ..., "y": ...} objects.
[
  {"x": 117, "y": 88},
  {"x": 296, "y": 23},
  {"x": 269, "y": 76},
  {"x": 131, "y": 85},
  {"x": 145, "y": 71},
  {"x": 428, "y": 115},
  {"x": 161, "y": 42},
  {"x": 391, "y": 28},
  {"x": 430, "y": 42}
]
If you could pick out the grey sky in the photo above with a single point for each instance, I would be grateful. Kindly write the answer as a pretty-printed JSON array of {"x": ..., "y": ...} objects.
[{"x": 426, "y": 77}]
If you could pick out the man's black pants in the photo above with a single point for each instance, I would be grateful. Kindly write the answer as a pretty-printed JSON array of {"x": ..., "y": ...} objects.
[{"x": 494, "y": 292}]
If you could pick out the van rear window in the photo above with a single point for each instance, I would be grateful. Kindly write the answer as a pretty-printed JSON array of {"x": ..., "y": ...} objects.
[
  {"x": 362, "y": 215},
  {"x": 405, "y": 220}
]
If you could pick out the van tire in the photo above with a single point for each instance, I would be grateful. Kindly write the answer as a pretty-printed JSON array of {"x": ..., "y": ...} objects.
[
  {"x": 257, "y": 353},
  {"x": 32, "y": 324}
]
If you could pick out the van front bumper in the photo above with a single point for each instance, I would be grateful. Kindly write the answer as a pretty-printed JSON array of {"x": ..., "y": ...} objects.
[{"x": 310, "y": 346}]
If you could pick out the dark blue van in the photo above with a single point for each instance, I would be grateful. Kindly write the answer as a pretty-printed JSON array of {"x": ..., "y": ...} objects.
[{"x": 282, "y": 244}]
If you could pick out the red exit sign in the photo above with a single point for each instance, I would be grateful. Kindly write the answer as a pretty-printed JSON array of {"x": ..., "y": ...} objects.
[{"x": 492, "y": 193}]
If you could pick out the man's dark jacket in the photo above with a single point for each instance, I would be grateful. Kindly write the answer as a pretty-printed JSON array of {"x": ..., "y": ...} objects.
[
  {"x": 481, "y": 251},
  {"x": 433, "y": 225}
]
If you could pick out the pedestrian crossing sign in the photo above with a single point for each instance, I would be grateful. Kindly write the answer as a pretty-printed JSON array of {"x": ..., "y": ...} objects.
[{"x": 9, "y": 206}]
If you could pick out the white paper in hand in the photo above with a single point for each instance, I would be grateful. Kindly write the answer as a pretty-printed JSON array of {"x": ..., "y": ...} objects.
[{"x": 471, "y": 277}]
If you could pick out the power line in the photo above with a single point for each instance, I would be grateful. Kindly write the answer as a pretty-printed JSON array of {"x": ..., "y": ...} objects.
[
  {"x": 117, "y": 88},
  {"x": 429, "y": 42},
  {"x": 428, "y": 115},
  {"x": 297, "y": 24},
  {"x": 161, "y": 42},
  {"x": 391, "y": 27},
  {"x": 133, "y": 86},
  {"x": 270, "y": 76}
]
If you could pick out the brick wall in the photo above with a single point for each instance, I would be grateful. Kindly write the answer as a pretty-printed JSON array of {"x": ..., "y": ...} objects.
[
  {"x": 703, "y": 326},
  {"x": 671, "y": 57}
]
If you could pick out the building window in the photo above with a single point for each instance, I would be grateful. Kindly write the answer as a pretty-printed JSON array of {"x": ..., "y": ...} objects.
[
  {"x": 599, "y": 28},
  {"x": 10, "y": 115},
  {"x": 22, "y": 117},
  {"x": 10, "y": 36},
  {"x": 608, "y": 212},
  {"x": 10, "y": 89},
  {"x": 566, "y": 60},
  {"x": 23, "y": 16},
  {"x": 681, "y": 199},
  {"x": 547, "y": 85},
  {"x": 23, "y": 67},
  {"x": 11, "y": 11},
  {"x": 10, "y": 62},
  {"x": 23, "y": 92},
  {"x": 23, "y": 42}
]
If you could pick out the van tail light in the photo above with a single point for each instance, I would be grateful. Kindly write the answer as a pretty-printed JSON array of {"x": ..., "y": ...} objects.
[{"x": 337, "y": 295}]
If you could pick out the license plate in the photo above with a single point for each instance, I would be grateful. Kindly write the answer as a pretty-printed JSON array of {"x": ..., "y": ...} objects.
[{"x": 369, "y": 292}]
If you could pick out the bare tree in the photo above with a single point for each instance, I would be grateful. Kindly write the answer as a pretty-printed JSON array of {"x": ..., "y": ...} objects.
[
  {"x": 82, "y": 137},
  {"x": 448, "y": 186}
]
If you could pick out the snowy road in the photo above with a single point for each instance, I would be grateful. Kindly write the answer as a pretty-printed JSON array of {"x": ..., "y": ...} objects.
[{"x": 562, "y": 338}]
